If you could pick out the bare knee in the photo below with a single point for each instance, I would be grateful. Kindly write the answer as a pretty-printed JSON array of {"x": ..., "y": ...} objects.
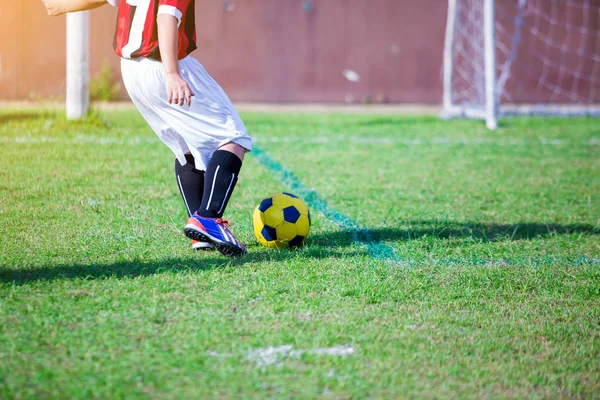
[{"x": 235, "y": 149}]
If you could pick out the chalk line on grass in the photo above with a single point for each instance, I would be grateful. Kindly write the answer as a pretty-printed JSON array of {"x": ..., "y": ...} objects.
[
  {"x": 275, "y": 355},
  {"x": 80, "y": 139},
  {"x": 360, "y": 235},
  {"x": 323, "y": 139},
  {"x": 433, "y": 141}
]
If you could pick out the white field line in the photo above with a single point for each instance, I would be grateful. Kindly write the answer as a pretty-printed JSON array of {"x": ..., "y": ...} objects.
[
  {"x": 440, "y": 141},
  {"x": 270, "y": 108},
  {"x": 436, "y": 141},
  {"x": 80, "y": 139},
  {"x": 275, "y": 355}
]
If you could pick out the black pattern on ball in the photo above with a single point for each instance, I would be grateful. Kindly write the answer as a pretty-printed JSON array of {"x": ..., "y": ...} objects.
[
  {"x": 265, "y": 204},
  {"x": 297, "y": 241},
  {"x": 291, "y": 214},
  {"x": 269, "y": 233},
  {"x": 291, "y": 195}
]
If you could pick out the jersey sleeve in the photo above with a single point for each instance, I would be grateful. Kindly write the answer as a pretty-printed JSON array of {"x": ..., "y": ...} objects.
[
  {"x": 114, "y": 3},
  {"x": 175, "y": 8}
]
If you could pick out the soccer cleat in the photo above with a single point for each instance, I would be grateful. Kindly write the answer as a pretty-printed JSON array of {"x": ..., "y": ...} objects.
[
  {"x": 214, "y": 231},
  {"x": 196, "y": 245}
]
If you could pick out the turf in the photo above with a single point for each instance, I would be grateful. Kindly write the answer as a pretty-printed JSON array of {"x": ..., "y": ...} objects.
[{"x": 444, "y": 261}]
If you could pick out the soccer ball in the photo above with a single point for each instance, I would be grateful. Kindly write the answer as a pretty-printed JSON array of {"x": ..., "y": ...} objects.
[{"x": 281, "y": 220}]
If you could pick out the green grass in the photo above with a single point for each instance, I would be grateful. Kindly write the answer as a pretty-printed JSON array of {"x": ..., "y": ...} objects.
[{"x": 444, "y": 261}]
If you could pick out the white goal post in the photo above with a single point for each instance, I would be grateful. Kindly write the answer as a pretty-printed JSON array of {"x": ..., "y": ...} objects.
[
  {"x": 78, "y": 94},
  {"x": 506, "y": 57}
]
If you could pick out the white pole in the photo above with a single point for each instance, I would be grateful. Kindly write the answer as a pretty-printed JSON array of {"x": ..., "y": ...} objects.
[
  {"x": 78, "y": 64},
  {"x": 491, "y": 99},
  {"x": 448, "y": 52}
]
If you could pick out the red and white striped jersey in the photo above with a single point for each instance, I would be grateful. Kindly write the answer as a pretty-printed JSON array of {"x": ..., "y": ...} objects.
[{"x": 136, "y": 34}]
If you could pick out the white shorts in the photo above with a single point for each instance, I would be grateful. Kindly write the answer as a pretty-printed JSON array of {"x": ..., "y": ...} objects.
[{"x": 201, "y": 129}]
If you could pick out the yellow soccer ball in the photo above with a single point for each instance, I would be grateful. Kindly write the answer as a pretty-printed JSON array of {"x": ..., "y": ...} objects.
[{"x": 281, "y": 220}]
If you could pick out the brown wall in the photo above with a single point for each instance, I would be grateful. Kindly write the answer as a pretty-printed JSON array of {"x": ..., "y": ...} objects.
[
  {"x": 263, "y": 50},
  {"x": 272, "y": 50}
]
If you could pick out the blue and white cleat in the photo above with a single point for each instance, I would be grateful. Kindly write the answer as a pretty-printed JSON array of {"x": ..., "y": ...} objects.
[{"x": 214, "y": 231}]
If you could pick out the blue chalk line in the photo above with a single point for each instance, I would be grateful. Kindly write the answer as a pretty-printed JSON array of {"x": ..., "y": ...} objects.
[{"x": 378, "y": 250}]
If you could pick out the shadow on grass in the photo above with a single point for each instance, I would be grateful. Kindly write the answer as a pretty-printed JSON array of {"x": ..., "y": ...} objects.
[
  {"x": 196, "y": 262},
  {"x": 20, "y": 116},
  {"x": 327, "y": 245},
  {"x": 398, "y": 121},
  {"x": 58, "y": 118},
  {"x": 484, "y": 232}
]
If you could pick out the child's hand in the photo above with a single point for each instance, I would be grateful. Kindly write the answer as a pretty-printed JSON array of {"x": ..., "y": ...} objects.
[
  {"x": 60, "y": 7},
  {"x": 178, "y": 91},
  {"x": 53, "y": 7}
]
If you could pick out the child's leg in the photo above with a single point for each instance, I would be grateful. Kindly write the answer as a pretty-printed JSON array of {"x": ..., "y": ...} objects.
[
  {"x": 221, "y": 176},
  {"x": 191, "y": 184},
  {"x": 210, "y": 121}
]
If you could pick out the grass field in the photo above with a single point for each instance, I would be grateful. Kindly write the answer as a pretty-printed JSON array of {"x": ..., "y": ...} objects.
[{"x": 444, "y": 261}]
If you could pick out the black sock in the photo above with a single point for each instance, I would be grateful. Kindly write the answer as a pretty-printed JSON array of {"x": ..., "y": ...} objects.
[
  {"x": 221, "y": 176},
  {"x": 191, "y": 184}
]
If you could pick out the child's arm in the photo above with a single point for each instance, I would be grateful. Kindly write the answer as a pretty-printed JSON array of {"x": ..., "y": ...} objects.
[
  {"x": 178, "y": 91},
  {"x": 60, "y": 7}
]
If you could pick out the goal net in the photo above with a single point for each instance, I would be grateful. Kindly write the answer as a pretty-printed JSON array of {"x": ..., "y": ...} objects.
[{"x": 522, "y": 57}]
